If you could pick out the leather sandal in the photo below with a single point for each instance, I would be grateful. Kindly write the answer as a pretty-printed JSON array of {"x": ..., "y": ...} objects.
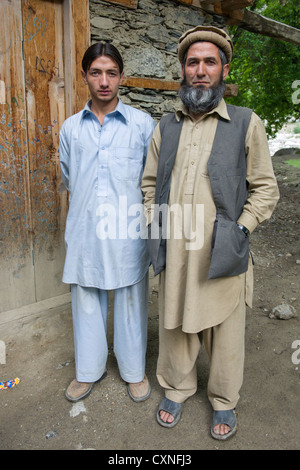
[
  {"x": 227, "y": 417},
  {"x": 170, "y": 407}
]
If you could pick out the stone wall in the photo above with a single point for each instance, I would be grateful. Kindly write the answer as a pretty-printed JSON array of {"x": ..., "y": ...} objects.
[{"x": 147, "y": 38}]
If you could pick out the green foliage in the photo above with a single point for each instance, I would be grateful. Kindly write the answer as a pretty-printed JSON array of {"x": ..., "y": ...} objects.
[
  {"x": 265, "y": 68},
  {"x": 294, "y": 162}
]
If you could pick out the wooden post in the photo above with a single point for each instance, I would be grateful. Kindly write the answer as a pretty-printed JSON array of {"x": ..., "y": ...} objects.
[{"x": 76, "y": 19}]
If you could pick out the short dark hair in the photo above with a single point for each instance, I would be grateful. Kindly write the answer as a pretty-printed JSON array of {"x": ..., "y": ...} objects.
[{"x": 99, "y": 49}]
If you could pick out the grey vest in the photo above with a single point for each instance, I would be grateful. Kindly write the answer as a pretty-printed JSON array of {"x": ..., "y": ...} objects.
[{"x": 227, "y": 168}]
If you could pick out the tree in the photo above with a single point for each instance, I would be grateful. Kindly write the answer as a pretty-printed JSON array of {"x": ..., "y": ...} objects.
[{"x": 267, "y": 70}]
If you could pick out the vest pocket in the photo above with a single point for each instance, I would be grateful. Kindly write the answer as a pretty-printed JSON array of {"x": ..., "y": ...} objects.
[{"x": 230, "y": 249}]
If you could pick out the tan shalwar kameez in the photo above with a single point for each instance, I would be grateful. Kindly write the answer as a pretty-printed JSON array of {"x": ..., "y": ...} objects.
[{"x": 191, "y": 303}]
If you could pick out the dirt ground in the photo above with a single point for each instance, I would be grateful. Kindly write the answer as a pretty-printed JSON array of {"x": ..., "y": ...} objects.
[{"x": 39, "y": 350}]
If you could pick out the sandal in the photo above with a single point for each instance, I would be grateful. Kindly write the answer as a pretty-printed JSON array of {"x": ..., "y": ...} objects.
[
  {"x": 227, "y": 417},
  {"x": 170, "y": 407}
]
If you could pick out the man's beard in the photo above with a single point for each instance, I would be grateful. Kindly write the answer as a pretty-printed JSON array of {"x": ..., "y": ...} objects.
[{"x": 200, "y": 99}]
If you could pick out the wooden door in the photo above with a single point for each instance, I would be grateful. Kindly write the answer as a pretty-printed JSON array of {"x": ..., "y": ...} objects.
[
  {"x": 38, "y": 44},
  {"x": 17, "y": 270}
]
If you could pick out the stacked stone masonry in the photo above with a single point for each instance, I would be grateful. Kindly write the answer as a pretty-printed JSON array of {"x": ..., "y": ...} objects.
[{"x": 147, "y": 38}]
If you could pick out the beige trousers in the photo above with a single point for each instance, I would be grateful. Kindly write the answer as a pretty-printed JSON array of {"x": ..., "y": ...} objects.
[{"x": 224, "y": 343}]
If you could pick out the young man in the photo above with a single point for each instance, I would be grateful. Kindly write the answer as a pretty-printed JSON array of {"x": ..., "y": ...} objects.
[
  {"x": 103, "y": 150},
  {"x": 221, "y": 178}
]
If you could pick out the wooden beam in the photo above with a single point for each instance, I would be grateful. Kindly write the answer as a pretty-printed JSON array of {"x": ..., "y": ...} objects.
[
  {"x": 225, "y": 6},
  {"x": 184, "y": 2},
  {"x": 152, "y": 83},
  {"x": 125, "y": 3},
  {"x": 236, "y": 14},
  {"x": 231, "y": 90},
  {"x": 256, "y": 23},
  {"x": 234, "y": 17},
  {"x": 167, "y": 85}
]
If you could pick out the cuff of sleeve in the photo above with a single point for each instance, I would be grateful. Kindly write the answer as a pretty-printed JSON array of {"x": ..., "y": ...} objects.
[{"x": 248, "y": 221}]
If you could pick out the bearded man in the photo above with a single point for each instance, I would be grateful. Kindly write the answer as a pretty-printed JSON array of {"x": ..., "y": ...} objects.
[{"x": 210, "y": 163}]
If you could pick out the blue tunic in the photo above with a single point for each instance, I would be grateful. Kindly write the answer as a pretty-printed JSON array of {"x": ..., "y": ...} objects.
[{"x": 102, "y": 167}]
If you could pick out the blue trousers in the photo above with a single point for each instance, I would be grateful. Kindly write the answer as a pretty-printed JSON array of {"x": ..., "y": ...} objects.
[{"x": 90, "y": 310}]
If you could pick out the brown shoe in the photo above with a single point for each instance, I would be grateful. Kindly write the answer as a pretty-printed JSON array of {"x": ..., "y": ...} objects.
[
  {"x": 139, "y": 391},
  {"x": 78, "y": 390}
]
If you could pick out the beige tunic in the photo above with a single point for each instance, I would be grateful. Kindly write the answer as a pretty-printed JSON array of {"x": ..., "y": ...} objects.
[{"x": 188, "y": 297}]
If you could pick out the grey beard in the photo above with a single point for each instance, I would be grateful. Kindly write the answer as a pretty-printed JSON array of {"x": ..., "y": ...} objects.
[{"x": 199, "y": 100}]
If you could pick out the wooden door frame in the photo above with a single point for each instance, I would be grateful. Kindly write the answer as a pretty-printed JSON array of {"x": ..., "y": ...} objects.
[{"x": 76, "y": 18}]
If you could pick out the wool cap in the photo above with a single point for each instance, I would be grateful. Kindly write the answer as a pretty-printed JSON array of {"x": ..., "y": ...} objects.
[{"x": 205, "y": 33}]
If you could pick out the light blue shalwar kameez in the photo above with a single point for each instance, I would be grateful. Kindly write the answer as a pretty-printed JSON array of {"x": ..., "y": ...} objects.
[{"x": 102, "y": 166}]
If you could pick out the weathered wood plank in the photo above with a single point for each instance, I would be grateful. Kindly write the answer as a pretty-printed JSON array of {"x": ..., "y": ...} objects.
[
  {"x": 225, "y": 6},
  {"x": 167, "y": 85},
  {"x": 32, "y": 105},
  {"x": 184, "y": 2},
  {"x": 12, "y": 321},
  {"x": 76, "y": 18},
  {"x": 231, "y": 90},
  {"x": 126, "y": 3},
  {"x": 151, "y": 83},
  {"x": 44, "y": 77},
  {"x": 17, "y": 272},
  {"x": 237, "y": 14},
  {"x": 233, "y": 17},
  {"x": 260, "y": 24}
]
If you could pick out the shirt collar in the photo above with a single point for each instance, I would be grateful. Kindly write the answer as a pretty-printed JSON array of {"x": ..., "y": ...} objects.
[
  {"x": 221, "y": 110},
  {"x": 120, "y": 110},
  {"x": 87, "y": 109}
]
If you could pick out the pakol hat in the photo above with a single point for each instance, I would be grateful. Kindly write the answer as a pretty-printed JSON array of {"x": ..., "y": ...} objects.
[{"x": 205, "y": 33}]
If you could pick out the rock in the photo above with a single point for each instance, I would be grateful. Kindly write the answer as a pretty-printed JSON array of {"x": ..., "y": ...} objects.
[
  {"x": 158, "y": 34},
  {"x": 141, "y": 61},
  {"x": 283, "y": 312},
  {"x": 102, "y": 23},
  {"x": 145, "y": 98},
  {"x": 77, "y": 408},
  {"x": 50, "y": 434}
]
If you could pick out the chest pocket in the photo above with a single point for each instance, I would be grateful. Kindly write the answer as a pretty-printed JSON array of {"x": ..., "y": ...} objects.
[{"x": 127, "y": 163}]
